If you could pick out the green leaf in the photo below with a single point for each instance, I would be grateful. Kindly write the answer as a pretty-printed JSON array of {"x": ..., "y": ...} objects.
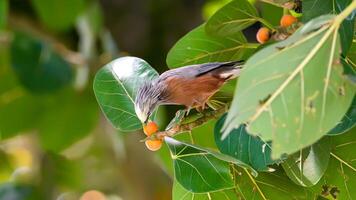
[
  {"x": 232, "y": 18},
  {"x": 115, "y": 88},
  {"x": 349, "y": 62},
  {"x": 210, "y": 7},
  {"x": 339, "y": 180},
  {"x": 77, "y": 116},
  {"x": 239, "y": 144},
  {"x": 315, "y": 8},
  {"x": 352, "y": 52},
  {"x": 201, "y": 170},
  {"x": 293, "y": 88},
  {"x": 180, "y": 193},
  {"x": 58, "y": 15},
  {"x": 271, "y": 12},
  {"x": 198, "y": 47},
  {"x": 306, "y": 167},
  {"x": 37, "y": 66},
  {"x": 273, "y": 185},
  {"x": 3, "y": 13},
  {"x": 347, "y": 122}
]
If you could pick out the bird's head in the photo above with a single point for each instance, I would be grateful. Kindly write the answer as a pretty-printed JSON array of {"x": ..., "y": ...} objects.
[{"x": 147, "y": 99}]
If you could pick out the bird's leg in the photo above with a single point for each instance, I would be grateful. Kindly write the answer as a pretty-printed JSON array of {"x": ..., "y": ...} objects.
[
  {"x": 187, "y": 110},
  {"x": 200, "y": 109}
]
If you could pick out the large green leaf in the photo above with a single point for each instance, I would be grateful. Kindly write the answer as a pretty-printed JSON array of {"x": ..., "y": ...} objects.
[
  {"x": 232, "y": 18},
  {"x": 198, "y": 47},
  {"x": 180, "y": 193},
  {"x": 308, "y": 165},
  {"x": 239, "y": 144},
  {"x": 273, "y": 185},
  {"x": 347, "y": 122},
  {"x": 339, "y": 180},
  {"x": 315, "y": 8},
  {"x": 293, "y": 92},
  {"x": 67, "y": 118},
  {"x": 37, "y": 66},
  {"x": 115, "y": 88},
  {"x": 201, "y": 170},
  {"x": 58, "y": 15}
]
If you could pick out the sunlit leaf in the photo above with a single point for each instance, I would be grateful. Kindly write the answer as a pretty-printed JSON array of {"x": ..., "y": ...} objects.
[
  {"x": 58, "y": 15},
  {"x": 249, "y": 149},
  {"x": 210, "y": 7},
  {"x": 201, "y": 170},
  {"x": 38, "y": 67},
  {"x": 115, "y": 88},
  {"x": 198, "y": 47},
  {"x": 232, "y": 18},
  {"x": 307, "y": 166},
  {"x": 315, "y": 8},
  {"x": 293, "y": 92}
]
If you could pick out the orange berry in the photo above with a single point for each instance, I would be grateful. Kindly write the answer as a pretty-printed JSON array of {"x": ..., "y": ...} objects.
[
  {"x": 153, "y": 145},
  {"x": 287, "y": 20},
  {"x": 263, "y": 35},
  {"x": 93, "y": 195},
  {"x": 150, "y": 128}
]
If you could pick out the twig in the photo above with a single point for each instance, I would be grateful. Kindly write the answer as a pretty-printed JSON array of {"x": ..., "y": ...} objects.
[{"x": 186, "y": 127}]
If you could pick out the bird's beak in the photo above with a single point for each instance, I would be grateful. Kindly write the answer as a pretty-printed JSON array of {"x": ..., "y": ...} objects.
[{"x": 145, "y": 122}]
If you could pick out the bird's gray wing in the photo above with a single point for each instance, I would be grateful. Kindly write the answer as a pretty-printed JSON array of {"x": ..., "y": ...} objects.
[{"x": 192, "y": 71}]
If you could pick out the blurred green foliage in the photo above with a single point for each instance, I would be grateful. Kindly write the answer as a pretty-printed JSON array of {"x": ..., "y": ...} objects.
[{"x": 56, "y": 144}]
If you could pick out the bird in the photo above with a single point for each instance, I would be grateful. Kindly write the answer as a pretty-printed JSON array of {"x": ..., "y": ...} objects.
[{"x": 191, "y": 86}]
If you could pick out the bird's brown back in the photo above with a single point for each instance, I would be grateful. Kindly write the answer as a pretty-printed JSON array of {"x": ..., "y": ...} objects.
[{"x": 191, "y": 92}]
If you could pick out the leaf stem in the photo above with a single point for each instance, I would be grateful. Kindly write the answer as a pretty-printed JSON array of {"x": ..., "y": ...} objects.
[
  {"x": 188, "y": 127},
  {"x": 348, "y": 10},
  {"x": 342, "y": 161},
  {"x": 251, "y": 45},
  {"x": 266, "y": 23},
  {"x": 256, "y": 185}
]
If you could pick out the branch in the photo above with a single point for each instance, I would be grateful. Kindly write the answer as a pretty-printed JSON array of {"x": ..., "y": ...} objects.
[{"x": 182, "y": 127}]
